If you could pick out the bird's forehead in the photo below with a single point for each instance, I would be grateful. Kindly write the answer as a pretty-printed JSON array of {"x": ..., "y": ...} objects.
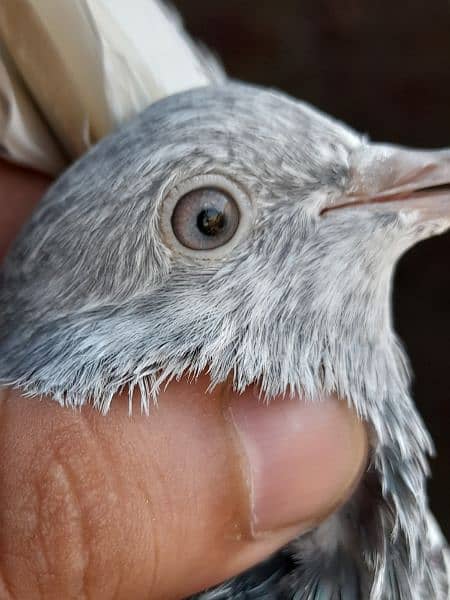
[
  {"x": 246, "y": 112},
  {"x": 254, "y": 133}
]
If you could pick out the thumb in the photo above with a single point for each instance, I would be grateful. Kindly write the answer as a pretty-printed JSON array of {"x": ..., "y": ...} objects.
[{"x": 161, "y": 507}]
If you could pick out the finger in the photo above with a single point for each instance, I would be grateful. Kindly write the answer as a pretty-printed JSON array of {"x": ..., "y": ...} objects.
[
  {"x": 160, "y": 507},
  {"x": 20, "y": 190}
]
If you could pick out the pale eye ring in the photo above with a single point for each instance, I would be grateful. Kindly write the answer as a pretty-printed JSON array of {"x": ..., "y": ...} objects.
[{"x": 206, "y": 216}]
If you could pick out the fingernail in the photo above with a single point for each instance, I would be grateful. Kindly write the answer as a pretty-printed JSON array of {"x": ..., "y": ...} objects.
[{"x": 300, "y": 460}]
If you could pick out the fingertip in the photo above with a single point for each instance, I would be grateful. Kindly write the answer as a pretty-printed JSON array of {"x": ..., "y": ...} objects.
[
  {"x": 166, "y": 505},
  {"x": 301, "y": 459}
]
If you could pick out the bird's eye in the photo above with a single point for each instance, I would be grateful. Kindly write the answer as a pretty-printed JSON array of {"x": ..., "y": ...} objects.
[{"x": 206, "y": 216}]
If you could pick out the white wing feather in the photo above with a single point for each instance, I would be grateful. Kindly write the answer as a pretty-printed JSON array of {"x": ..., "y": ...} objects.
[
  {"x": 87, "y": 65},
  {"x": 24, "y": 136}
]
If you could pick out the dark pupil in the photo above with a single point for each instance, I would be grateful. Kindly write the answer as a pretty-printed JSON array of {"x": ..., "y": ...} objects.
[{"x": 211, "y": 221}]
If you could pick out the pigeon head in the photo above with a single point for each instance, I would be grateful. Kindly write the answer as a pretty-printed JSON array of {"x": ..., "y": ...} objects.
[{"x": 228, "y": 228}]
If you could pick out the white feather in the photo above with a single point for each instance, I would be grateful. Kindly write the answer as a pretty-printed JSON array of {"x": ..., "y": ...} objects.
[
  {"x": 88, "y": 65},
  {"x": 24, "y": 136}
]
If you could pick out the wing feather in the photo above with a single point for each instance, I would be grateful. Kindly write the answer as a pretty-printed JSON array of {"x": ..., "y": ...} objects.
[
  {"x": 88, "y": 66},
  {"x": 24, "y": 136}
]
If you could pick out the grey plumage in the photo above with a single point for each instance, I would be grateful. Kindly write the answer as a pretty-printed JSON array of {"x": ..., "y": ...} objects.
[{"x": 95, "y": 297}]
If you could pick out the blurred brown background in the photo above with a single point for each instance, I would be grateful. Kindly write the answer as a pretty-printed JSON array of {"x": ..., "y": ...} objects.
[{"x": 384, "y": 68}]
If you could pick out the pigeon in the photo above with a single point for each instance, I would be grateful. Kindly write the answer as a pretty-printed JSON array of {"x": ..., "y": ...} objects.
[{"x": 235, "y": 230}]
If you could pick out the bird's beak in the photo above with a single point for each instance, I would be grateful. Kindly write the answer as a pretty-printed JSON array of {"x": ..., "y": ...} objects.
[{"x": 393, "y": 178}]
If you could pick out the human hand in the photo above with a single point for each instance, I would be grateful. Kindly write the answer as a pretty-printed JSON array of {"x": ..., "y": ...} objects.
[{"x": 159, "y": 507}]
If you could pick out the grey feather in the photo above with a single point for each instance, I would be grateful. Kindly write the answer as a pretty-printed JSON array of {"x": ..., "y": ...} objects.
[{"x": 93, "y": 299}]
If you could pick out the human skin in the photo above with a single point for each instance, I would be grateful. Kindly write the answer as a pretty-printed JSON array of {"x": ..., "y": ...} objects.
[{"x": 160, "y": 506}]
